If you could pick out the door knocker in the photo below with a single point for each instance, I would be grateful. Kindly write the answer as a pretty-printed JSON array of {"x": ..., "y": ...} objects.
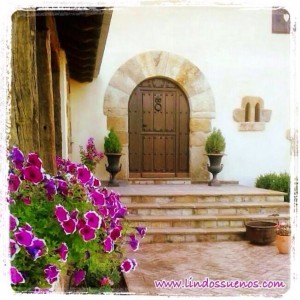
[{"x": 157, "y": 103}]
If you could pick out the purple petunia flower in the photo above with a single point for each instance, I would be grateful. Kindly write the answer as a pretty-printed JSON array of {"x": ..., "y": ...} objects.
[
  {"x": 128, "y": 265},
  {"x": 121, "y": 212},
  {"x": 74, "y": 215},
  {"x": 80, "y": 224},
  {"x": 83, "y": 174},
  {"x": 141, "y": 230},
  {"x": 51, "y": 273},
  {"x": 62, "y": 187},
  {"x": 13, "y": 223},
  {"x": 115, "y": 233},
  {"x": 108, "y": 244},
  {"x": 51, "y": 189},
  {"x": 27, "y": 227},
  {"x": 93, "y": 219},
  {"x": 14, "y": 183},
  {"x": 61, "y": 213},
  {"x": 17, "y": 157},
  {"x": 71, "y": 167},
  {"x": 37, "y": 249},
  {"x": 103, "y": 211},
  {"x": 34, "y": 160},
  {"x": 63, "y": 252},
  {"x": 33, "y": 174},
  {"x": 14, "y": 248},
  {"x": 79, "y": 276},
  {"x": 16, "y": 276},
  {"x": 24, "y": 237},
  {"x": 87, "y": 233},
  {"x": 69, "y": 226},
  {"x": 96, "y": 182},
  {"x": 97, "y": 198},
  {"x": 133, "y": 242}
]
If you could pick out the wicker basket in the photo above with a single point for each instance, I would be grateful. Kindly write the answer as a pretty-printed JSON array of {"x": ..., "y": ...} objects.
[{"x": 261, "y": 232}]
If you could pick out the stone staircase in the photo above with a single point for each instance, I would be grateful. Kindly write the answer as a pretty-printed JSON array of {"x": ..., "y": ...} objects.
[{"x": 193, "y": 213}]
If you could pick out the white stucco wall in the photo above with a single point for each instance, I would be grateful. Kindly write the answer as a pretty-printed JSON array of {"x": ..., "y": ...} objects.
[{"x": 238, "y": 54}]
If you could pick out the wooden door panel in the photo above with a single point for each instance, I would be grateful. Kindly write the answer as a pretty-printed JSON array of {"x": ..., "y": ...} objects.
[
  {"x": 147, "y": 154},
  {"x": 183, "y": 155},
  {"x": 134, "y": 132},
  {"x": 170, "y": 153},
  {"x": 158, "y": 130},
  {"x": 147, "y": 109},
  {"x": 159, "y": 149},
  {"x": 170, "y": 112}
]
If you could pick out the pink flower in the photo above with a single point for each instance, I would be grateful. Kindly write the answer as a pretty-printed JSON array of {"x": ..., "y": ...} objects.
[
  {"x": 34, "y": 160},
  {"x": 13, "y": 223},
  {"x": 79, "y": 276},
  {"x": 106, "y": 281},
  {"x": 14, "y": 249},
  {"x": 24, "y": 237},
  {"x": 97, "y": 198},
  {"x": 87, "y": 233},
  {"x": 108, "y": 244},
  {"x": 51, "y": 273},
  {"x": 33, "y": 174},
  {"x": 83, "y": 174},
  {"x": 16, "y": 276},
  {"x": 115, "y": 233},
  {"x": 14, "y": 183},
  {"x": 63, "y": 252},
  {"x": 93, "y": 219},
  {"x": 69, "y": 226},
  {"x": 128, "y": 265},
  {"x": 61, "y": 213}
]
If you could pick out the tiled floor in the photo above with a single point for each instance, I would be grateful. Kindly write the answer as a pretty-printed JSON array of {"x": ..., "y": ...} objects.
[{"x": 228, "y": 261}]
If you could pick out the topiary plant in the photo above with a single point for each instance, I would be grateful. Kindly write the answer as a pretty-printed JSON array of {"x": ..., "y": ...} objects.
[
  {"x": 215, "y": 142},
  {"x": 112, "y": 143}
]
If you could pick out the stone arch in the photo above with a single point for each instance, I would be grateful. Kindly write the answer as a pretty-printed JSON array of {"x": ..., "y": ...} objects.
[{"x": 192, "y": 81}]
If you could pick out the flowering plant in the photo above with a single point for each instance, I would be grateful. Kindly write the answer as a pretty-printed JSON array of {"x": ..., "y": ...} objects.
[
  {"x": 65, "y": 224},
  {"x": 283, "y": 229},
  {"x": 90, "y": 156}
]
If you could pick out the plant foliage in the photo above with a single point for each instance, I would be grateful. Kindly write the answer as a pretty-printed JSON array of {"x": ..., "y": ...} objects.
[
  {"x": 215, "y": 142},
  {"x": 112, "y": 143},
  {"x": 276, "y": 182}
]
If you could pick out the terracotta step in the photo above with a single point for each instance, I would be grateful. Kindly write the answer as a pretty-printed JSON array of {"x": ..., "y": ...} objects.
[{"x": 146, "y": 181}]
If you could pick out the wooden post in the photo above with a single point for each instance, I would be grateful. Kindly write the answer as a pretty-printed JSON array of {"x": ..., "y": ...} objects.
[
  {"x": 46, "y": 114},
  {"x": 24, "y": 130}
]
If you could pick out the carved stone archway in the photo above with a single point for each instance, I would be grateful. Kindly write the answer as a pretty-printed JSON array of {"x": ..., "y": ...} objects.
[{"x": 187, "y": 76}]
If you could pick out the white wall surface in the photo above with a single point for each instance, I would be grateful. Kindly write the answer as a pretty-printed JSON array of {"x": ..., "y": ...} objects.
[{"x": 238, "y": 54}]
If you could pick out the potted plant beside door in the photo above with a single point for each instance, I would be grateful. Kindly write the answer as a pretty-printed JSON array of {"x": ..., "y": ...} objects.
[
  {"x": 214, "y": 147},
  {"x": 283, "y": 237},
  {"x": 112, "y": 148}
]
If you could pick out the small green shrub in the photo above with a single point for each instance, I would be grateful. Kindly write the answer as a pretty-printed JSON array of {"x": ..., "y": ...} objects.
[
  {"x": 112, "y": 143},
  {"x": 276, "y": 182},
  {"x": 215, "y": 142}
]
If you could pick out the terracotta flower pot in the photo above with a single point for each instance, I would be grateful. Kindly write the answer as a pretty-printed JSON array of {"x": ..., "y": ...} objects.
[{"x": 283, "y": 243}]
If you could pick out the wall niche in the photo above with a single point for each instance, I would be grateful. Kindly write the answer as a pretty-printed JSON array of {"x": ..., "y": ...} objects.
[{"x": 252, "y": 116}]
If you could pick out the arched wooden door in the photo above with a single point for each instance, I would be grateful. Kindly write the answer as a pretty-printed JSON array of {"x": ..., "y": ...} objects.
[{"x": 158, "y": 130}]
